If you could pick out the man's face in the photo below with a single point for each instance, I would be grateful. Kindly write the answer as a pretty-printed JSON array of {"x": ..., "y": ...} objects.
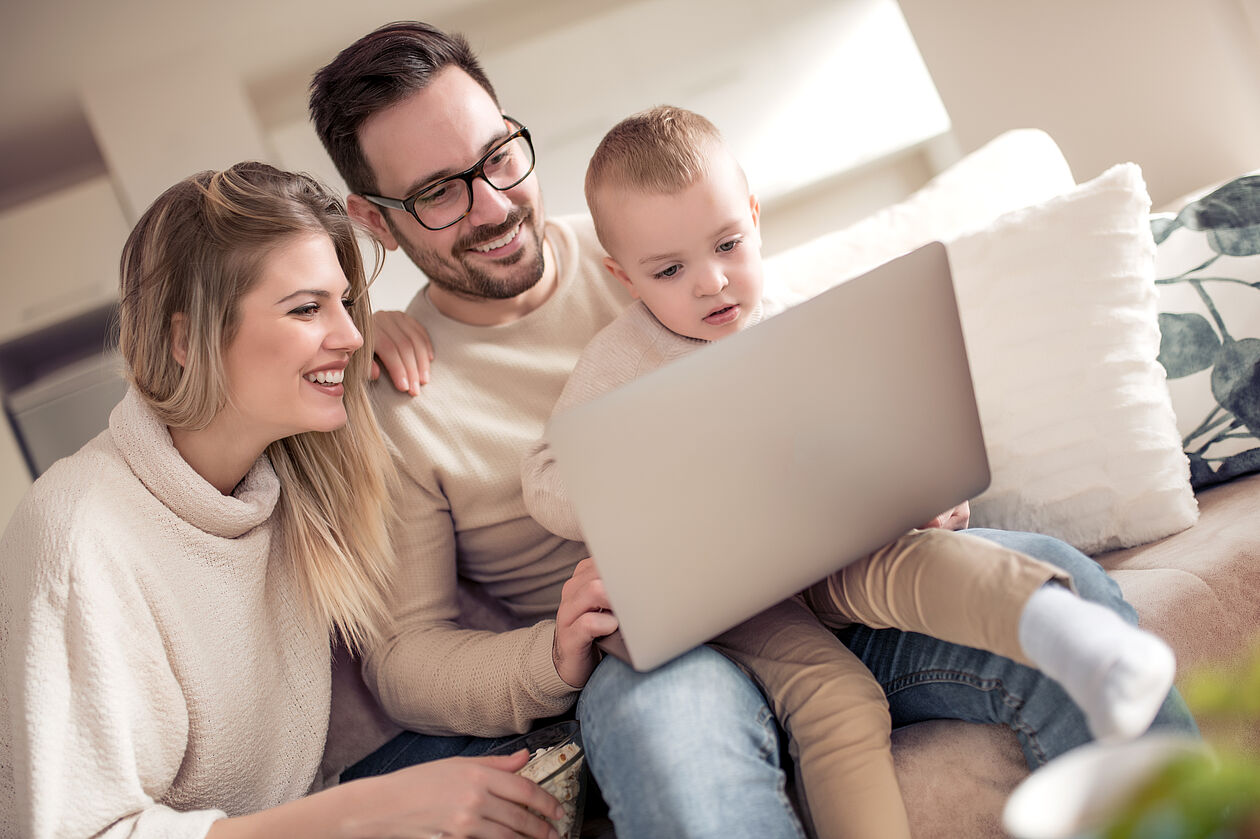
[{"x": 493, "y": 252}]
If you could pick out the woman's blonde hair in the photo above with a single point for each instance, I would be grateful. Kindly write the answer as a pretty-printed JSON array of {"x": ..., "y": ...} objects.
[{"x": 196, "y": 251}]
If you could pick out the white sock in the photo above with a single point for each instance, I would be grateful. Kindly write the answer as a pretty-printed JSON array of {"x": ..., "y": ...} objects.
[{"x": 1117, "y": 674}]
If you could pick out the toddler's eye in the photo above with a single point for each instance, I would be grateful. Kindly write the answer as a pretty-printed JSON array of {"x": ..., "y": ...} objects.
[
  {"x": 730, "y": 245},
  {"x": 668, "y": 272}
]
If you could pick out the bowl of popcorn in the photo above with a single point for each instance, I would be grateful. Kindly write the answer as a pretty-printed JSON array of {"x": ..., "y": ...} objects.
[{"x": 557, "y": 763}]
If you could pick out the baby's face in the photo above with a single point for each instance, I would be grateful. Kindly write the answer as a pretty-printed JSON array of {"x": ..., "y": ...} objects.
[{"x": 693, "y": 257}]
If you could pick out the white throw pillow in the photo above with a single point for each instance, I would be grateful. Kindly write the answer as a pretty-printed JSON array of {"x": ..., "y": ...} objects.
[
  {"x": 1015, "y": 169},
  {"x": 1058, "y": 305}
]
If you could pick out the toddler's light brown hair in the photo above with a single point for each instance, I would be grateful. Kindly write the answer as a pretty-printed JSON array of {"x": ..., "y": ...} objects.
[{"x": 662, "y": 150}]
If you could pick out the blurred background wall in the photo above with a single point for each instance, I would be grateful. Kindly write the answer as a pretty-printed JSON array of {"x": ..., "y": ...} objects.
[{"x": 836, "y": 107}]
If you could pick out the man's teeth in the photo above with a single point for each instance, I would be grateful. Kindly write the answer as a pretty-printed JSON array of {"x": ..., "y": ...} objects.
[
  {"x": 498, "y": 243},
  {"x": 326, "y": 377}
]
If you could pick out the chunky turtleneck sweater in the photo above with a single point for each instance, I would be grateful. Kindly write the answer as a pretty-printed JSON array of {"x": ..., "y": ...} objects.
[{"x": 158, "y": 667}]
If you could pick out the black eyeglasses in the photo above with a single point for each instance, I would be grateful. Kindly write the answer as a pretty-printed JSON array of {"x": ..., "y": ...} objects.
[{"x": 445, "y": 202}]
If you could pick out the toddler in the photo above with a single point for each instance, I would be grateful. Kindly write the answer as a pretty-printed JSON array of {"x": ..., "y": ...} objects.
[{"x": 673, "y": 210}]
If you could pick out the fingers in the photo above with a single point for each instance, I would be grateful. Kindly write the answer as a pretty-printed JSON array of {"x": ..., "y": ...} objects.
[
  {"x": 962, "y": 516},
  {"x": 519, "y": 804},
  {"x": 403, "y": 348},
  {"x": 515, "y": 803},
  {"x": 938, "y": 521},
  {"x": 506, "y": 763},
  {"x": 583, "y": 599},
  {"x": 584, "y": 615}
]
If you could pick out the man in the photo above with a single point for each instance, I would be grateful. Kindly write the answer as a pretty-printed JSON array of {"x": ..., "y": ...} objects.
[{"x": 437, "y": 170}]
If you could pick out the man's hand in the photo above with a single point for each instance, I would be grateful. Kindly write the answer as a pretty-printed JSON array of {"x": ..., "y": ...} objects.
[
  {"x": 956, "y": 518},
  {"x": 584, "y": 615},
  {"x": 403, "y": 347}
]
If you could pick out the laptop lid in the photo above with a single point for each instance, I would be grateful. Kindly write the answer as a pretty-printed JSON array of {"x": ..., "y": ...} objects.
[{"x": 716, "y": 486}]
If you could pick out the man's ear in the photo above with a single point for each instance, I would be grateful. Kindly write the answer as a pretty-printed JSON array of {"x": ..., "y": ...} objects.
[
  {"x": 179, "y": 338},
  {"x": 370, "y": 216},
  {"x": 615, "y": 269}
]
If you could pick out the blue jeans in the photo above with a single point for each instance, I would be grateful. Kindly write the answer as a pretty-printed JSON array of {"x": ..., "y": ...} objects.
[
  {"x": 410, "y": 748},
  {"x": 929, "y": 679},
  {"x": 692, "y": 750}
]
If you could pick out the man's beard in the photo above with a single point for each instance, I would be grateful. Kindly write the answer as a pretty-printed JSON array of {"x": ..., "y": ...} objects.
[{"x": 470, "y": 281}]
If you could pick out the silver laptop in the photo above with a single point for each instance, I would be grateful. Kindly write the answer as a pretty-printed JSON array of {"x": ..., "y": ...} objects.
[{"x": 725, "y": 482}]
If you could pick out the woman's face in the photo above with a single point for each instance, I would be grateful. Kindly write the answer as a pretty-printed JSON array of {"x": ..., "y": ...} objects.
[{"x": 294, "y": 338}]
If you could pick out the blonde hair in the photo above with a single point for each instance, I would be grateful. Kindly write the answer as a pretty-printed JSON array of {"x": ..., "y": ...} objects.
[
  {"x": 661, "y": 150},
  {"x": 197, "y": 250}
]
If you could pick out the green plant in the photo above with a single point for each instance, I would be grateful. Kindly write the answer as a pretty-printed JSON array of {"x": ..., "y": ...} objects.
[
  {"x": 1229, "y": 218},
  {"x": 1201, "y": 796}
]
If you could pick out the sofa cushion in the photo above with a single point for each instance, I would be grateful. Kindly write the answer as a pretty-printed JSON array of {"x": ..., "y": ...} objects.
[
  {"x": 1196, "y": 589},
  {"x": 1014, "y": 170},
  {"x": 1208, "y": 275},
  {"x": 1058, "y": 306}
]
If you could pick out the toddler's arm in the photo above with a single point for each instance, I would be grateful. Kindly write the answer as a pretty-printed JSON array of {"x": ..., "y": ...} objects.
[{"x": 619, "y": 353}]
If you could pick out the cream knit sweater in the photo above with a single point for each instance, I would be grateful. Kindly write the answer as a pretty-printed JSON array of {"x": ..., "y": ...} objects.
[
  {"x": 158, "y": 669},
  {"x": 633, "y": 345},
  {"x": 458, "y": 446}
]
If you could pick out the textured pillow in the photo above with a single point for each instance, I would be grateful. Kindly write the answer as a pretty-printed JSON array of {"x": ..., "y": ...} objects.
[
  {"x": 1015, "y": 169},
  {"x": 1058, "y": 305},
  {"x": 1207, "y": 269}
]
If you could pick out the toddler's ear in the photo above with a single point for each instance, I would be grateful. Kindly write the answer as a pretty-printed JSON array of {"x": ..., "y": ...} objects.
[
  {"x": 755, "y": 208},
  {"x": 616, "y": 270}
]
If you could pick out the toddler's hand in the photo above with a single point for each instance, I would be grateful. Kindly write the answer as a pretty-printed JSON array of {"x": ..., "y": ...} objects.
[
  {"x": 403, "y": 347},
  {"x": 955, "y": 518}
]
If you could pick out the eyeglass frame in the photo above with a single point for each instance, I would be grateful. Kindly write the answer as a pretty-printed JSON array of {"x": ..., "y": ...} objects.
[{"x": 477, "y": 170}]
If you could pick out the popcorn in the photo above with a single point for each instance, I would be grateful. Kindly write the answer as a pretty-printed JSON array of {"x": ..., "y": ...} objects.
[{"x": 558, "y": 770}]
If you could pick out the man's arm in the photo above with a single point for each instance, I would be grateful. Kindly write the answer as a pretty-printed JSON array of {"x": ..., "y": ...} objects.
[{"x": 433, "y": 676}]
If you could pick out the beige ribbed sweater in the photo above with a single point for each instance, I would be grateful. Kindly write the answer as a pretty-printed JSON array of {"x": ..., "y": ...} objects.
[
  {"x": 157, "y": 667},
  {"x": 458, "y": 446}
]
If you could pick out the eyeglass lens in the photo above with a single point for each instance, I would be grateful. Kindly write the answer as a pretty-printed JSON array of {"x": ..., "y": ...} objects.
[{"x": 503, "y": 168}]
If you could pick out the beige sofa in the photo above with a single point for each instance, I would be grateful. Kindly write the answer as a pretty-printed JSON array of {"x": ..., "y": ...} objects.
[
  {"x": 1192, "y": 582},
  {"x": 1197, "y": 589}
]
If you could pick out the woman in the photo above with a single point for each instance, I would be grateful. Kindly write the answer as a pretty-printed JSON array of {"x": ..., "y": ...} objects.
[{"x": 168, "y": 593}]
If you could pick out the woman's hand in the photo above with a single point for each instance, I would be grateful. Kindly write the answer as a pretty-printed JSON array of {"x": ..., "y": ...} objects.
[
  {"x": 403, "y": 347},
  {"x": 584, "y": 615},
  {"x": 956, "y": 518},
  {"x": 456, "y": 798}
]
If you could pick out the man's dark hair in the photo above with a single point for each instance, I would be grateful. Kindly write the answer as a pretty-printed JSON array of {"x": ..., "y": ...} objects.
[{"x": 375, "y": 72}]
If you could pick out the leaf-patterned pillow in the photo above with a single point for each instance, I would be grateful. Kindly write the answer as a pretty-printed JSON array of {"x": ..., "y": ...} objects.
[{"x": 1207, "y": 269}]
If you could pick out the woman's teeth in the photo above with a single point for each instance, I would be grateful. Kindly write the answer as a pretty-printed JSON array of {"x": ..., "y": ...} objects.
[
  {"x": 326, "y": 377},
  {"x": 498, "y": 243}
]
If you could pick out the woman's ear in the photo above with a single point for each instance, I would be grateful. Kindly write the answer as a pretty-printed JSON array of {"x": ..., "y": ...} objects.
[{"x": 179, "y": 338}]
